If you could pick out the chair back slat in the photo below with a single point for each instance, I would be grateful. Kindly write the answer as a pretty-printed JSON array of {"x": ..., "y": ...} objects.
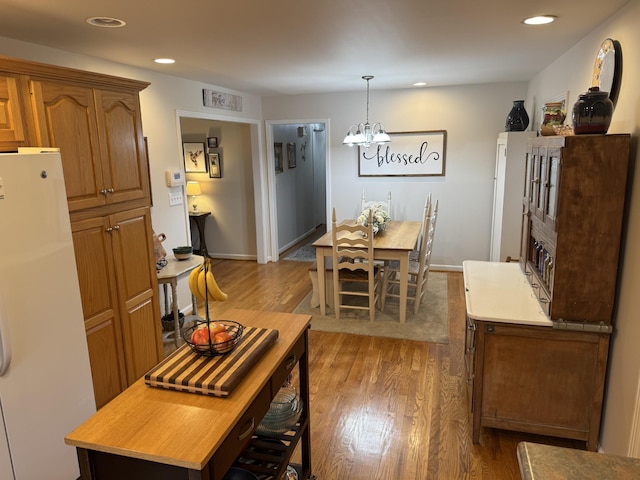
[
  {"x": 353, "y": 252},
  {"x": 363, "y": 203}
]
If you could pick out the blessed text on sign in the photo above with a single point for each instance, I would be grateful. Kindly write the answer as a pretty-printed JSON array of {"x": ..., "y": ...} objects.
[{"x": 408, "y": 154}]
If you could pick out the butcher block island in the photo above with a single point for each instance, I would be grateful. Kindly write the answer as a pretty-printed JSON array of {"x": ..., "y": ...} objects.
[{"x": 150, "y": 432}]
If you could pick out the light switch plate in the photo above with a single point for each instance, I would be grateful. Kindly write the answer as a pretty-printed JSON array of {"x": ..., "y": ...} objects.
[{"x": 175, "y": 198}]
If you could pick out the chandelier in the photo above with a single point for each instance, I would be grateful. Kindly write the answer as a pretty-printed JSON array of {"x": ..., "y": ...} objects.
[{"x": 366, "y": 134}]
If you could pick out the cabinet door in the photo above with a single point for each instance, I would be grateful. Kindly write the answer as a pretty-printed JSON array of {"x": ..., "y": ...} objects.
[
  {"x": 542, "y": 167},
  {"x": 96, "y": 275},
  {"x": 137, "y": 282},
  {"x": 544, "y": 382},
  {"x": 125, "y": 170},
  {"x": 534, "y": 193},
  {"x": 11, "y": 126},
  {"x": 553, "y": 182},
  {"x": 65, "y": 117}
]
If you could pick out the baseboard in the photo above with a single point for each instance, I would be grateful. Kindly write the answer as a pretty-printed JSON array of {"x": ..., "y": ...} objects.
[{"x": 446, "y": 268}]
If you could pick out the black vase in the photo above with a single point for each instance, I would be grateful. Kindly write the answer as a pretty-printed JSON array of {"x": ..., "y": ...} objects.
[{"x": 517, "y": 120}]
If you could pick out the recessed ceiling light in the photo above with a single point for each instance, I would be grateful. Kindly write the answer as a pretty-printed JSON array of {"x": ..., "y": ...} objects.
[
  {"x": 540, "y": 20},
  {"x": 420, "y": 84},
  {"x": 164, "y": 60},
  {"x": 107, "y": 22}
]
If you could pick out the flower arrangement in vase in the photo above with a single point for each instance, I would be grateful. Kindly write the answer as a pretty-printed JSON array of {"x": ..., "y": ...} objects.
[{"x": 379, "y": 216}]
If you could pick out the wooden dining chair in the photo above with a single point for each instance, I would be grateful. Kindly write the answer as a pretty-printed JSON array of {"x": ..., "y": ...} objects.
[
  {"x": 414, "y": 255},
  {"x": 355, "y": 275},
  {"x": 364, "y": 203},
  {"x": 418, "y": 270}
]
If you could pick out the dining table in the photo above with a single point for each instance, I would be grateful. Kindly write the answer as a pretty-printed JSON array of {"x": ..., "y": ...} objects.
[{"x": 395, "y": 242}]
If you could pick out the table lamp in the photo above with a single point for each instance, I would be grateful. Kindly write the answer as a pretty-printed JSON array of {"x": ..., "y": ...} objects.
[{"x": 193, "y": 189}]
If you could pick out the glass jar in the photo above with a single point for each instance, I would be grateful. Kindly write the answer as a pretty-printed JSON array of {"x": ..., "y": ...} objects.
[{"x": 552, "y": 116}]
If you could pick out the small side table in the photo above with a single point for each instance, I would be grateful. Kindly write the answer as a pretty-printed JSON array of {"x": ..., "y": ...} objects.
[
  {"x": 169, "y": 275},
  {"x": 200, "y": 219}
]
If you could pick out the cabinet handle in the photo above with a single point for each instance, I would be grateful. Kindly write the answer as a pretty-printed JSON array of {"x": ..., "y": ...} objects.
[
  {"x": 103, "y": 192},
  {"x": 471, "y": 327},
  {"x": 110, "y": 190},
  {"x": 249, "y": 430},
  {"x": 534, "y": 285},
  {"x": 291, "y": 362},
  {"x": 116, "y": 228},
  {"x": 109, "y": 229},
  {"x": 543, "y": 300}
]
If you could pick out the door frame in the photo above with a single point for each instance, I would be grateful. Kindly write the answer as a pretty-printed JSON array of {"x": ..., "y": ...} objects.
[{"x": 260, "y": 177}]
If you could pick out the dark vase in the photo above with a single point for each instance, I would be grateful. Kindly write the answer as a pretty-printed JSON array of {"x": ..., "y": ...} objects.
[
  {"x": 517, "y": 120},
  {"x": 592, "y": 112}
]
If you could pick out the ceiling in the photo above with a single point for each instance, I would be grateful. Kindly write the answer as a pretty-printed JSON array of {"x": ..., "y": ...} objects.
[{"x": 289, "y": 47}]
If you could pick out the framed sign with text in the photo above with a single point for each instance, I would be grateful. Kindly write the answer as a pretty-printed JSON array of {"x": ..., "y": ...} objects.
[{"x": 409, "y": 154}]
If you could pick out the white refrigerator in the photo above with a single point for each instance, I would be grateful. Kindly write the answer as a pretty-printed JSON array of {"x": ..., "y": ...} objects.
[{"x": 45, "y": 377}]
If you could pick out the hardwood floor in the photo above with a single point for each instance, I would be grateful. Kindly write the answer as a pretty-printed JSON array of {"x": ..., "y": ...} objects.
[{"x": 381, "y": 408}]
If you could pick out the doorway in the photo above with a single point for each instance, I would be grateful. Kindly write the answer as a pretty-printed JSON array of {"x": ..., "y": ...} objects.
[{"x": 300, "y": 186}]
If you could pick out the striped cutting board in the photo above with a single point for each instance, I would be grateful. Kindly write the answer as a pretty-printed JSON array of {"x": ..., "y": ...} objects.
[{"x": 186, "y": 371}]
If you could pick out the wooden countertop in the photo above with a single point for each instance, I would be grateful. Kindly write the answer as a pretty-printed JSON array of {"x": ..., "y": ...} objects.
[
  {"x": 499, "y": 292},
  {"x": 180, "y": 428},
  {"x": 545, "y": 462}
]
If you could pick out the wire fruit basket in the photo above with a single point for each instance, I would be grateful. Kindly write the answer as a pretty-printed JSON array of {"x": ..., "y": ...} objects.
[{"x": 211, "y": 338}]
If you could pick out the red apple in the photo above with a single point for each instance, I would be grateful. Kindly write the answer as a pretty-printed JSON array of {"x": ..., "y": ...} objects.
[
  {"x": 200, "y": 337},
  {"x": 215, "y": 327},
  {"x": 223, "y": 342}
]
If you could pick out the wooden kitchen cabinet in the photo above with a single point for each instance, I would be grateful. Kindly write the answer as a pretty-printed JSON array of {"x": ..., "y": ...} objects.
[
  {"x": 99, "y": 133},
  {"x": 95, "y": 121},
  {"x": 118, "y": 298},
  {"x": 12, "y": 132}
]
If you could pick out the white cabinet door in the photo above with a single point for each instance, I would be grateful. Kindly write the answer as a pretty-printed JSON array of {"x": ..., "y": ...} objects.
[{"x": 507, "y": 195}]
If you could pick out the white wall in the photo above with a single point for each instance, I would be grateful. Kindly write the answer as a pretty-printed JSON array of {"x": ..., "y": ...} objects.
[
  {"x": 572, "y": 71},
  {"x": 473, "y": 116}
]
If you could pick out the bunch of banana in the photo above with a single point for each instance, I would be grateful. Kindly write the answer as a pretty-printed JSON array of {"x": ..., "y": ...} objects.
[{"x": 203, "y": 285}]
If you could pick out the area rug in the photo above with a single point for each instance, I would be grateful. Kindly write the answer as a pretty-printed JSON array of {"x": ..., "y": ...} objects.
[
  {"x": 430, "y": 324},
  {"x": 306, "y": 253}
]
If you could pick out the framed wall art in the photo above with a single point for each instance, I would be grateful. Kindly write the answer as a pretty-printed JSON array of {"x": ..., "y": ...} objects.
[
  {"x": 291, "y": 155},
  {"x": 277, "y": 156},
  {"x": 212, "y": 142},
  {"x": 215, "y": 165},
  {"x": 194, "y": 159},
  {"x": 409, "y": 154}
]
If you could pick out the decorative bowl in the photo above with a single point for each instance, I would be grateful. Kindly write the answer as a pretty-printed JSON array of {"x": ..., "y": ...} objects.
[
  {"x": 183, "y": 253},
  {"x": 284, "y": 412},
  {"x": 202, "y": 336}
]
